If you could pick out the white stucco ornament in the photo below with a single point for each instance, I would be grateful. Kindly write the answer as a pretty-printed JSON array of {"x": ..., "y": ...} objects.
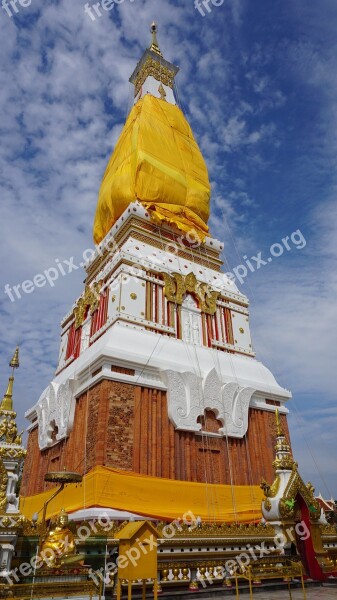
[
  {"x": 55, "y": 413},
  {"x": 189, "y": 396}
]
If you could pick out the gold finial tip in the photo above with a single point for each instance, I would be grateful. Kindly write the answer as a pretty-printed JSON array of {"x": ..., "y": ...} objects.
[
  {"x": 154, "y": 45},
  {"x": 15, "y": 363}
]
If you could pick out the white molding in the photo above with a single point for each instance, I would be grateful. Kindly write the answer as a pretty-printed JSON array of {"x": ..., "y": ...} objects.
[{"x": 189, "y": 396}]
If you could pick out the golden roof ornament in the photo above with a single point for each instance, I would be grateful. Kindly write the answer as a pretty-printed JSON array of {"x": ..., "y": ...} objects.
[
  {"x": 154, "y": 45},
  {"x": 15, "y": 363}
]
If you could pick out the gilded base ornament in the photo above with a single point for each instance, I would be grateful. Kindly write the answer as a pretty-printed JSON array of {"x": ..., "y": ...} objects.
[{"x": 194, "y": 586}]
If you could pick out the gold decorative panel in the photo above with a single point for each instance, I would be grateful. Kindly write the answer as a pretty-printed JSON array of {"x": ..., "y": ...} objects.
[{"x": 177, "y": 285}]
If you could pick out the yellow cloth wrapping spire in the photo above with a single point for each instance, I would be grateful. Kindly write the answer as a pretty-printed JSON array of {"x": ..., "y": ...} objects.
[
  {"x": 158, "y": 162},
  {"x": 152, "y": 497}
]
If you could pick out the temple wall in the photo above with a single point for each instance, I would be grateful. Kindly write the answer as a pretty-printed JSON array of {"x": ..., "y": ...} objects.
[{"x": 126, "y": 427}]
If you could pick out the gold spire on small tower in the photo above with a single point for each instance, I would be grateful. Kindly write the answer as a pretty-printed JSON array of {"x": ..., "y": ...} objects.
[
  {"x": 154, "y": 45},
  {"x": 284, "y": 459},
  {"x": 7, "y": 401},
  {"x": 8, "y": 428}
]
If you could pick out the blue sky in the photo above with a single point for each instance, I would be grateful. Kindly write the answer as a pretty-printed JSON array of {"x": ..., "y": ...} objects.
[{"x": 258, "y": 83}]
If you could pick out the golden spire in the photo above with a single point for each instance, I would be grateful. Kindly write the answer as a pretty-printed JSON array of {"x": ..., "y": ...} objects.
[
  {"x": 7, "y": 401},
  {"x": 154, "y": 45}
]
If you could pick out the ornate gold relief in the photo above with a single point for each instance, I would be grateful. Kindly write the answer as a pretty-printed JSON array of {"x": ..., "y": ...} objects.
[
  {"x": 287, "y": 508},
  {"x": 270, "y": 491},
  {"x": 10, "y": 452},
  {"x": 267, "y": 504},
  {"x": 286, "y": 462},
  {"x": 155, "y": 69},
  {"x": 297, "y": 486},
  {"x": 3, "y": 487},
  {"x": 90, "y": 299},
  {"x": 162, "y": 92},
  {"x": 12, "y": 521},
  {"x": 176, "y": 286},
  {"x": 216, "y": 530},
  {"x": 8, "y": 430}
]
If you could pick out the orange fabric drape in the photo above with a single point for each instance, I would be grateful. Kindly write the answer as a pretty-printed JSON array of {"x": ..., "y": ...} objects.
[{"x": 152, "y": 497}]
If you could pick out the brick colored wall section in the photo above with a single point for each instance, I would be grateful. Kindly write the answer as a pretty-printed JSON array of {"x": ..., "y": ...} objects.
[
  {"x": 161, "y": 451},
  {"x": 102, "y": 435},
  {"x": 30, "y": 471},
  {"x": 120, "y": 425},
  {"x": 127, "y": 427}
]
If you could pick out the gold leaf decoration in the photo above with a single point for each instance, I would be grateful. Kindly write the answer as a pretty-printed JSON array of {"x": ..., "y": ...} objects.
[{"x": 177, "y": 285}]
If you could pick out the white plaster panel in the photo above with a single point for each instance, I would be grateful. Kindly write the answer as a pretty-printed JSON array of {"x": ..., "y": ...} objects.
[
  {"x": 63, "y": 348},
  {"x": 85, "y": 334},
  {"x": 133, "y": 296},
  {"x": 241, "y": 331},
  {"x": 114, "y": 297},
  {"x": 189, "y": 396},
  {"x": 151, "y": 86},
  {"x": 55, "y": 408}
]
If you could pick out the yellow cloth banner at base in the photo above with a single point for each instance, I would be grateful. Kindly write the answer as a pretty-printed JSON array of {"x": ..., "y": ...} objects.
[
  {"x": 158, "y": 162},
  {"x": 154, "y": 497}
]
